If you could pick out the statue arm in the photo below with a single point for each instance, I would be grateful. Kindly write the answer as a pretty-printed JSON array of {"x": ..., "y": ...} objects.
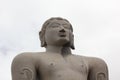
[
  {"x": 23, "y": 68},
  {"x": 98, "y": 69}
]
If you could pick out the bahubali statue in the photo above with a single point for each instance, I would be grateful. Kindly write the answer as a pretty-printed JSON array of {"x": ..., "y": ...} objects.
[{"x": 57, "y": 62}]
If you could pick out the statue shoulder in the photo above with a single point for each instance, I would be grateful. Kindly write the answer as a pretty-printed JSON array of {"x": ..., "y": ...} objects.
[
  {"x": 22, "y": 59},
  {"x": 98, "y": 69},
  {"x": 27, "y": 57},
  {"x": 23, "y": 56},
  {"x": 24, "y": 66},
  {"x": 96, "y": 62}
]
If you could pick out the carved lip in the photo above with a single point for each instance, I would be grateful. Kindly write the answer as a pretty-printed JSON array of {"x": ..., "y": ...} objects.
[{"x": 61, "y": 34}]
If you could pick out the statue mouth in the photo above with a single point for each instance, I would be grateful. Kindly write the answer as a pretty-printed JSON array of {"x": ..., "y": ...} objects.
[{"x": 62, "y": 34}]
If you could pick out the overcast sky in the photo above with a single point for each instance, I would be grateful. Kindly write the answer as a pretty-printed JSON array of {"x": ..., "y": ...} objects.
[{"x": 96, "y": 25}]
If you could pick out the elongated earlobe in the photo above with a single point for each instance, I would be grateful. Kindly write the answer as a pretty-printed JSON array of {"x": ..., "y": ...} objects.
[
  {"x": 72, "y": 41},
  {"x": 42, "y": 38}
]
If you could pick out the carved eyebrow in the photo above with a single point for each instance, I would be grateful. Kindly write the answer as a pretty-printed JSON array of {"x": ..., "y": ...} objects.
[
  {"x": 65, "y": 24},
  {"x": 54, "y": 24},
  {"x": 68, "y": 25}
]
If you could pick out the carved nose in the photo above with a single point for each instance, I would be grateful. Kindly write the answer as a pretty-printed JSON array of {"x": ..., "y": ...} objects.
[{"x": 62, "y": 30}]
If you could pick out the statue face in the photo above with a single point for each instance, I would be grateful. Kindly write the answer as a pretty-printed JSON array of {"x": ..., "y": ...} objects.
[{"x": 58, "y": 33}]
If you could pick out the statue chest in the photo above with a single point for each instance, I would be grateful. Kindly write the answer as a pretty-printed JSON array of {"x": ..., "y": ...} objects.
[{"x": 51, "y": 65}]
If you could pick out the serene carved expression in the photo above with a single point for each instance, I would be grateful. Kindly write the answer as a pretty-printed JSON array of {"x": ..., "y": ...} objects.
[{"x": 58, "y": 33}]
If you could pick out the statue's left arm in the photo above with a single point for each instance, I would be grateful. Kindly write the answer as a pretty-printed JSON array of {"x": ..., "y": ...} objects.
[{"x": 98, "y": 69}]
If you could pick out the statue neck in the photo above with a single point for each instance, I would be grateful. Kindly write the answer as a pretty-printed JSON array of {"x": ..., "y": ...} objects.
[
  {"x": 58, "y": 50},
  {"x": 54, "y": 49}
]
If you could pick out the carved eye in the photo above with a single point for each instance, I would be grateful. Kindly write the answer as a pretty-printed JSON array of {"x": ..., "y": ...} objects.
[
  {"x": 66, "y": 26},
  {"x": 54, "y": 25}
]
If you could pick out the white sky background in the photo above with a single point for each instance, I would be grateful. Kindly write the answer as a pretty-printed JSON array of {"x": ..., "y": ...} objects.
[{"x": 96, "y": 26}]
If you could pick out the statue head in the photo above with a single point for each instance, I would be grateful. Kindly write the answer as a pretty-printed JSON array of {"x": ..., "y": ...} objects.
[{"x": 57, "y": 20}]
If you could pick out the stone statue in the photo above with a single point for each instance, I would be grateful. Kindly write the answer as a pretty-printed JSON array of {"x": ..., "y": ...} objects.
[{"x": 57, "y": 63}]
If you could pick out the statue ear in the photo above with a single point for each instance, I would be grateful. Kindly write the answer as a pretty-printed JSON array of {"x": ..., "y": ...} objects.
[
  {"x": 72, "y": 41},
  {"x": 42, "y": 39}
]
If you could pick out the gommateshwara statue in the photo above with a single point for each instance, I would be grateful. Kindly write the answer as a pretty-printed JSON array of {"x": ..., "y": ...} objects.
[{"x": 57, "y": 63}]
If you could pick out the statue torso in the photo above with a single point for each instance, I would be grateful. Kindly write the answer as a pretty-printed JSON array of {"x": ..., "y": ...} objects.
[{"x": 53, "y": 66}]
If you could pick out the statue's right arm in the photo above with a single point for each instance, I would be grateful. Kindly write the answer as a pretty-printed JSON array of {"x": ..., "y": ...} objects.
[{"x": 23, "y": 68}]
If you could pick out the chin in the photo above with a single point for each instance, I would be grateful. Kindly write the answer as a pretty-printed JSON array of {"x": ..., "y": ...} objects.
[{"x": 62, "y": 41}]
